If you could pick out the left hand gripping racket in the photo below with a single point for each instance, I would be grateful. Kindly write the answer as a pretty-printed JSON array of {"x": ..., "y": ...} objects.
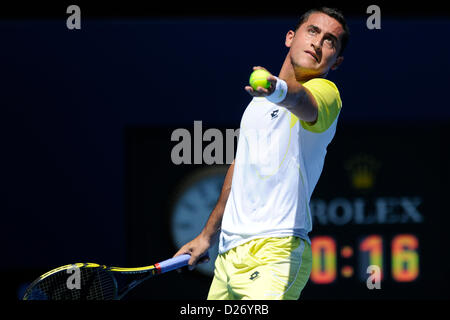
[{"x": 96, "y": 282}]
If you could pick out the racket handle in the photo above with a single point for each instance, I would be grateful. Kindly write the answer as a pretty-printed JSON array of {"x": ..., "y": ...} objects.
[{"x": 175, "y": 263}]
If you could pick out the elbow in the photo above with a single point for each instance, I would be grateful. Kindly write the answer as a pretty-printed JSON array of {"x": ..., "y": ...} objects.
[
  {"x": 310, "y": 115},
  {"x": 305, "y": 112}
]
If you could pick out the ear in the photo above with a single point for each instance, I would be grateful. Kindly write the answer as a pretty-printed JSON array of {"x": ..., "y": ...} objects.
[
  {"x": 338, "y": 62},
  {"x": 289, "y": 37}
]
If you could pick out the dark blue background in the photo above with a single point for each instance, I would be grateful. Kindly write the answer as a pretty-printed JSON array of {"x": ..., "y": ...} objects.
[{"x": 67, "y": 96}]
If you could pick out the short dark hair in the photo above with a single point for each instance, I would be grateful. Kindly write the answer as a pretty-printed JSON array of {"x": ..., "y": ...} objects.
[{"x": 334, "y": 13}]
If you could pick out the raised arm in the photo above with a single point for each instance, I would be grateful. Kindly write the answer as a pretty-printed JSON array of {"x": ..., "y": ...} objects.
[{"x": 298, "y": 99}]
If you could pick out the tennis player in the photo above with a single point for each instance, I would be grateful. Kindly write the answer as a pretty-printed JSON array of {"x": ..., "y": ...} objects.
[{"x": 262, "y": 218}]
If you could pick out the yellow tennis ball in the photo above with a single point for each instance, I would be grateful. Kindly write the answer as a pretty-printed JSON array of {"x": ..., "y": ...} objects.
[{"x": 258, "y": 78}]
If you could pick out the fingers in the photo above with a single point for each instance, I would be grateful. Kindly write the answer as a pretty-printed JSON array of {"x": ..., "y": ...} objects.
[
  {"x": 192, "y": 262},
  {"x": 197, "y": 259},
  {"x": 197, "y": 262},
  {"x": 183, "y": 250},
  {"x": 204, "y": 260},
  {"x": 197, "y": 249},
  {"x": 250, "y": 91},
  {"x": 260, "y": 91},
  {"x": 258, "y": 68},
  {"x": 273, "y": 80}
]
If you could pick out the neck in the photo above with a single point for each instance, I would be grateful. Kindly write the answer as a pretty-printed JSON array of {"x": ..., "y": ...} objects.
[{"x": 288, "y": 72}]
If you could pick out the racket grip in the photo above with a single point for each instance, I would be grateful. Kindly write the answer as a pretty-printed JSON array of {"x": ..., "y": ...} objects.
[{"x": 175, "y": 263}]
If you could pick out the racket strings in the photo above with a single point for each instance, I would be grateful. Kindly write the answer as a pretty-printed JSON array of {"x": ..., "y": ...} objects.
[
  {"x": 94, "y": 284},
  {"x": 129, "y": 280}
]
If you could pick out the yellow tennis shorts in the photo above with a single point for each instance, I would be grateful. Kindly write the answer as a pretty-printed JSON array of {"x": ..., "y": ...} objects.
[{"x": 262, "y": 269}]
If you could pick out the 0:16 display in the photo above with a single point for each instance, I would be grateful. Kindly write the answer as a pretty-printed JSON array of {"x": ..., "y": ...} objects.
[{"x": 404, "y": 258}]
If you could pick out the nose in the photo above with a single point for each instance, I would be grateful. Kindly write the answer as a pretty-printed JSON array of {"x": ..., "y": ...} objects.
[{"x": 317, "y": 45}]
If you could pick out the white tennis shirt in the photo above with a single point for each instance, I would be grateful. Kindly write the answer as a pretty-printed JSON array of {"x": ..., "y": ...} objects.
[{"x": 279, "y": 160}]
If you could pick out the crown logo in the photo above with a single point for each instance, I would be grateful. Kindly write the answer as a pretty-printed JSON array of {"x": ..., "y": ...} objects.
[{"x": 362, "y": 169}]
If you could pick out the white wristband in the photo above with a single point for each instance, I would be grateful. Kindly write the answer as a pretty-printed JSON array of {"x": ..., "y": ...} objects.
[{"x": 280, "y": 92}]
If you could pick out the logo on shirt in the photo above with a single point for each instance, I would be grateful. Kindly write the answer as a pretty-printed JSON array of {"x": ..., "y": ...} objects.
[
  {"x": 254, "y": 275},
  {"x": 274, "y": 114}
]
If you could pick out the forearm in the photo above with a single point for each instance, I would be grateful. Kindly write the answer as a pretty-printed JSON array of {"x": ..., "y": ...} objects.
[
  {"x": 300, "y": 102},
  {"x": 212, "y": 227},
  {"x": 298, "y": 99}
]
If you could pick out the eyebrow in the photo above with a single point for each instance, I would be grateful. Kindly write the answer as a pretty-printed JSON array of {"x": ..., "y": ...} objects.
[{"x": 317, "y": 29}]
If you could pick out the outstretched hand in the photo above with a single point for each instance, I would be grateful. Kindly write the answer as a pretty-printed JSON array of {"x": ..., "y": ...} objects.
[{"x": 262, "y": 92}]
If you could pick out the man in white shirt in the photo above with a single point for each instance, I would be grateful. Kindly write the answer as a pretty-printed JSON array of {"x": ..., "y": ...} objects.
[{"x": 262, "y": 216}]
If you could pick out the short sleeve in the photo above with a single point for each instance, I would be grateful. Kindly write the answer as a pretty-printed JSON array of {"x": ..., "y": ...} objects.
[{"x": 328, "y": 101}]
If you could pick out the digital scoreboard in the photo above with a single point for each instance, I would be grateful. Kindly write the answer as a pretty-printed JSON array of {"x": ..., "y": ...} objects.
[
  {"x": 380, "y": 223},
  {"x": 403, "y": 251},
  {"x": 367, "y": 240}
]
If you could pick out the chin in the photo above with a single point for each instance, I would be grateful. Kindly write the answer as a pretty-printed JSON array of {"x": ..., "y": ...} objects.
[
  {"x": 305, "y": 65},
  {"x": 306, "y": 69}
]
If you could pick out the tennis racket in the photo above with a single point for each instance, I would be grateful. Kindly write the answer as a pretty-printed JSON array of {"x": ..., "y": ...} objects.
[{"x": 96, "y": 282}]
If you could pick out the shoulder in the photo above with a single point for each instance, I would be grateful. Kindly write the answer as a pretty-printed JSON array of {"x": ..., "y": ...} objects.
[
  {"x": 328, "y": 99},
  {"x": 325, "y": 88}
]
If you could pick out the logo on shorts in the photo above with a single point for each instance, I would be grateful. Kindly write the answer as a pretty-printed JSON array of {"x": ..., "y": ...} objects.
[{"x": 254, "y": 275}]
